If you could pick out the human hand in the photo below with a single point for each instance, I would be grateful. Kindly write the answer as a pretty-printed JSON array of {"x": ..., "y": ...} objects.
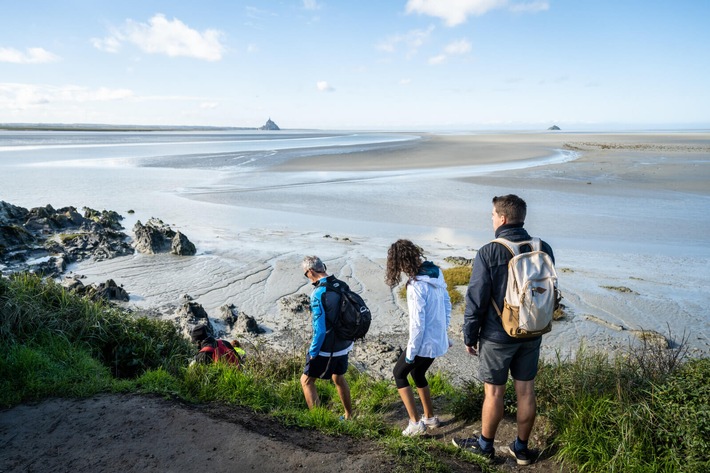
[
  {"x": 472, "y": 350},
  {"x": 408, "y": 361}
]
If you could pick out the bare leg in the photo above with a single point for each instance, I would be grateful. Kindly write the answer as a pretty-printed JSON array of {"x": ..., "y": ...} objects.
[
  {"x": 309, "y": 391},
  {"x": 425, "y": 397},
  {"x": 492, "y": 412},
  {"x": 408, "y": 400},
  {"x": 341, "y": 384},
  {"x": 527, "y": 405}
]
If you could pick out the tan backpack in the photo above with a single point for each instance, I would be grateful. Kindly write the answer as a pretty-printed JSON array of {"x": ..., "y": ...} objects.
[{"x": 531, "y": 295}]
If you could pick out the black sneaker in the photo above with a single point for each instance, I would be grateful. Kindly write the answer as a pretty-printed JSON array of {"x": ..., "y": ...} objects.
[
  {"x": 522, "y": 456},
  {"x": 472, "y": 446}
]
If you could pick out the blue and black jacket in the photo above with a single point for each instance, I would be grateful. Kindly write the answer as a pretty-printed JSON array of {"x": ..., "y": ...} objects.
[{"x": 325, "y": 307}]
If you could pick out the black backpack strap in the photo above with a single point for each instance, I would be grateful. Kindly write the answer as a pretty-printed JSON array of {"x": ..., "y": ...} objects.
[{"x": 340, "y": 290}]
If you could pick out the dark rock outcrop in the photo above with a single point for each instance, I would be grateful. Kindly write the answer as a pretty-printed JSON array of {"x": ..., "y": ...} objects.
[
  {"x": 554, "y": 128},
  {"x": 270, "y": 125},
  {"x": 182, "y": 246},
  {"x": 157, "y": 237},
  {"x": 108, "y": 291},
  {"x": 194, "y": 313},
  {"x": 45, "y": 240},
  {"x": 239, "y": 322}
]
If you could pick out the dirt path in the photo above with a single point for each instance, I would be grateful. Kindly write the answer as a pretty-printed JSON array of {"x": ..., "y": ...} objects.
[
  {"x": 130, "y": 433},
  {"x": 122, "y": 433}
]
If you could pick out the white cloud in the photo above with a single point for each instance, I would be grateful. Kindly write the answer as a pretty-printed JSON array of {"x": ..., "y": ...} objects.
[
  {"x": 110, "y": 44},
  {"x": 311, "y": 5},
  {"x": 440, "y": 59},
  {"x": 530, "y": 7},
  {"x": 21, "y": 96},
  {"x": 32, "y": 56},
  {"x": 411, "y": 41},
  {"x": 252, "y": 48},
  {"x": 324, "y": 86},
  {"x": 453, "y": 12},
  {"x": 405, "y": 81},
  {"x": 456, "y": 48},
  {"x": 209, "y": 105},
  {"x": 162, "y": 36}
]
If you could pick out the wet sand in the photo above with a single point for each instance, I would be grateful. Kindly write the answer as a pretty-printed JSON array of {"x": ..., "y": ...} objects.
[{"x": 627, "y": 218}]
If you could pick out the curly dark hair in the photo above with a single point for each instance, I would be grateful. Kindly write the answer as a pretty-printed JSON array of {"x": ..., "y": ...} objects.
[{"x": 402, "y": 257}]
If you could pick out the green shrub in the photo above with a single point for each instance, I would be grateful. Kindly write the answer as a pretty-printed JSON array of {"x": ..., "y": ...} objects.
[
  {"x": 128, "y": 344},
  {"x": 681, "y": 412}
]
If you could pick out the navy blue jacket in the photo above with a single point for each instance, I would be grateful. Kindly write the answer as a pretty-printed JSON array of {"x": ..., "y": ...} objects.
[{"x": 489, "y": 279}]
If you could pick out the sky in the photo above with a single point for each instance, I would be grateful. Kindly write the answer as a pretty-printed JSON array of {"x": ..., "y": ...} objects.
[{"x": 362, "y": 64}]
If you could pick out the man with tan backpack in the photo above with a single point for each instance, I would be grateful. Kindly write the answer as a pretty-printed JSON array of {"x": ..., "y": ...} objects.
[{"x": 509, "y": 303}]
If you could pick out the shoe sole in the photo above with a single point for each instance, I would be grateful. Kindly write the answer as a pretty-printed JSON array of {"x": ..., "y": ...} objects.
[{"x": 517, "y": 460}]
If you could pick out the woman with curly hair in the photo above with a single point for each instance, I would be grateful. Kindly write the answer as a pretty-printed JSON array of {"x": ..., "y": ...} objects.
[{"x": 429, "y": 309}]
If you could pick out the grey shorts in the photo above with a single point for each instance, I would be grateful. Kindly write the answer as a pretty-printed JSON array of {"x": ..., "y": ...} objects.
[{"x": 499, "y": 358}]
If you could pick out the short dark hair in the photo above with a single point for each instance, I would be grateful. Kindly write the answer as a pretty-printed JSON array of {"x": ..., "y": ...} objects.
[{"x": 512, "y": 207}]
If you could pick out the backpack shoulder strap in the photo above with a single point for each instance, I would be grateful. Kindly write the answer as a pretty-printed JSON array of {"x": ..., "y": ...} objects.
[
  {"x": 342, "y": 287},
  {"x": 536, "y": 244},
  {"x": 514, "y": 248}
]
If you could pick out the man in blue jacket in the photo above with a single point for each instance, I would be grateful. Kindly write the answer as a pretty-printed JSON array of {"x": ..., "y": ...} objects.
[
  {"x": 327, "y": 356},
  {"x": 485, "y": 337}
]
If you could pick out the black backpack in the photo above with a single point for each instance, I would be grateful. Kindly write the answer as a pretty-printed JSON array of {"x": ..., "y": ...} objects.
[{"x": 353, "y": 320}]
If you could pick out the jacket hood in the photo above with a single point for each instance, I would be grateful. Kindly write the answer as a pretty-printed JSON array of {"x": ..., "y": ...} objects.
[{"x": 430, "y": 273}]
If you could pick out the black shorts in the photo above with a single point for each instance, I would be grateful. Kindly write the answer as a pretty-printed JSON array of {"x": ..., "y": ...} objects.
[{"x": 318, "y": 367}]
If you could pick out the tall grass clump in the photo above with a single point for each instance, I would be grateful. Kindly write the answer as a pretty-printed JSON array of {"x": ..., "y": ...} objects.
[
  {"x": 637, "y": 412},
  {"x": 31, "y": 308}
]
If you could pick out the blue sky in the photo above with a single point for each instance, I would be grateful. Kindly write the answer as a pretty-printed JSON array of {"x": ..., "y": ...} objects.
[{"x": 336, "y": 64}]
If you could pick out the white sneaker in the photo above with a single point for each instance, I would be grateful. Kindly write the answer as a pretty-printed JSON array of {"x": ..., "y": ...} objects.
[
  {"x": 414, "y": 429},
  {"x": 431, "y": 422}
]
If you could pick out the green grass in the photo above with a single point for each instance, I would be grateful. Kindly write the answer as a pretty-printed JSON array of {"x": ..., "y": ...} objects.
[{"x": 645, "y": 411}]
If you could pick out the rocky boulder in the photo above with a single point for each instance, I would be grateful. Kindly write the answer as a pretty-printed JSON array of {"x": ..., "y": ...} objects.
[
  {"x": 194, "y": 313},
  {"x": 239, "y": 322},
  {"x": 108, "y": 291},
  {"x": 157, "y": 237},
  {"x": 182, "y": 246}
]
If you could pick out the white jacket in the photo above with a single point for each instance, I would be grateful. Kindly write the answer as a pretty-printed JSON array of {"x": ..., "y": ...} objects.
[{"x": 429, "y": 315}]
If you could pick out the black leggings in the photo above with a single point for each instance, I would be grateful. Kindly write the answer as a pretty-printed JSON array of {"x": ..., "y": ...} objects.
[{"x": 418, "y": 370}]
